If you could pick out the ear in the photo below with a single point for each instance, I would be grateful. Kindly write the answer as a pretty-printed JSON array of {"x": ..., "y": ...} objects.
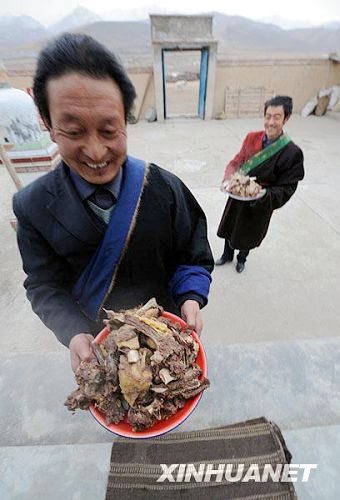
[{"x": 286, "y": 119}]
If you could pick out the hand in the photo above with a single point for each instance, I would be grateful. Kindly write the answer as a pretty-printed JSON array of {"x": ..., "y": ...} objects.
[
  {"x": 191, "y": 313},
  {"x": 81, "y": 349}
]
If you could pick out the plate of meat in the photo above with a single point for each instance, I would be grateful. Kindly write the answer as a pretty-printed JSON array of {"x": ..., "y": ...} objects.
[
  {"x": 147, "y": 376},
  {"x": 243, "y": 188}
]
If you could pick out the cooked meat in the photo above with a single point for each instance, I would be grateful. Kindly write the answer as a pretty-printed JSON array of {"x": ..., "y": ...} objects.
[
  {"x": 144, "y": 370},
  {"x": 142, "y": 417},
  {"x": 171, "y": 406},
  {"x": 113, "y": 408},
  {"x": 164, "y": 343},
  {"x": 242, "y": 185},
  {"x": 134, "y": 378},
  {"x": 77, "y": 400}
]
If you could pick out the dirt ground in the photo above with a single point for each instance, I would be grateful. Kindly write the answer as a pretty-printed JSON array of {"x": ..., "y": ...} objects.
[{"x": 182, "y": 98}]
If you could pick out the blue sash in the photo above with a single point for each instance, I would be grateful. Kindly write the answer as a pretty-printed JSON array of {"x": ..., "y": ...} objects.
[{"x": 93, "y": 285}]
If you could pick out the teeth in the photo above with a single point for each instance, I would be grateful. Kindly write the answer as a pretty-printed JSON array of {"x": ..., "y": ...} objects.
[{"x": 97, "y": 165}]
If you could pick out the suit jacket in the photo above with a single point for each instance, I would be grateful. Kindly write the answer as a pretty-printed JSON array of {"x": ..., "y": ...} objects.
[{"x": 57, "y": 236}]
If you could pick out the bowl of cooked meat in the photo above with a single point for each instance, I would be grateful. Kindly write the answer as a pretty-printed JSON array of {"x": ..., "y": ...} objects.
[{"x": 147, "y": 375}]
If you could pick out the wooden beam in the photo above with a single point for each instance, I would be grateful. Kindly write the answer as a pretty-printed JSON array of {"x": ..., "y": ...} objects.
[{"x": 10, "y": 168}]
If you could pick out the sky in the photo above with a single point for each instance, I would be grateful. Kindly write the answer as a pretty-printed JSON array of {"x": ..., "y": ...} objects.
[{"x": 313, "y": 11}]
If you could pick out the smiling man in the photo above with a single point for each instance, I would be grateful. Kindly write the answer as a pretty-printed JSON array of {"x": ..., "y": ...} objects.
[
  {"x": 87, "y": 121},
  {"x": 103, "y": 229},
  {"x": 277, "y": 163}
]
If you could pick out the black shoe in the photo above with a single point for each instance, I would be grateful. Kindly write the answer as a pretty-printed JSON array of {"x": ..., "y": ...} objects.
[
  {"x": 240, "y": 266},
  {"x": 222, "y": 260}
]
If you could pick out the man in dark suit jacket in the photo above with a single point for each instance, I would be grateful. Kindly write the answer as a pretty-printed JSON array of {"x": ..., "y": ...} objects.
[{"x": 103, "y": 229}]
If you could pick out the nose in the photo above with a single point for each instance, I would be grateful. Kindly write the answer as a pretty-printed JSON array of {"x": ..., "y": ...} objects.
[{"x": 95, "y": 149}]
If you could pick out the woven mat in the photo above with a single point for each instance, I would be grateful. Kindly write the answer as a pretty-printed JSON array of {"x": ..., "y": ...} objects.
[{"x": 136, "y": 464}]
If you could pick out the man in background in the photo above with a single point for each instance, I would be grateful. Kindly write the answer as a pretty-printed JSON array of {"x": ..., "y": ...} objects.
[{"x": 277, "y": 163}]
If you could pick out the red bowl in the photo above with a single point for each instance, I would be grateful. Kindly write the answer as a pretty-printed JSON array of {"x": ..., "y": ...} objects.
[{"x": 124, "y": 429}]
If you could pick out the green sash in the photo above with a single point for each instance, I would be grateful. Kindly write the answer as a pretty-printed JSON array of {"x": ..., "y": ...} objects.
[{"x": 264, "y": 154}]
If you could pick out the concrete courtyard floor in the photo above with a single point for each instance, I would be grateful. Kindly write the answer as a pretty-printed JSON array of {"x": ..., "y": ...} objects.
[{"x": 272, "y": 334}]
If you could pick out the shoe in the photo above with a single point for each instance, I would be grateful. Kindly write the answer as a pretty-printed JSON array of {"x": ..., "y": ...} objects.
[
  {"x": 240, "y": 266},
  {"x": 222, "y": 260}
]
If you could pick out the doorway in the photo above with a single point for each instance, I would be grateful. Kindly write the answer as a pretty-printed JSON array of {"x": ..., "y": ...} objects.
[{"x": 185, "y": 73}]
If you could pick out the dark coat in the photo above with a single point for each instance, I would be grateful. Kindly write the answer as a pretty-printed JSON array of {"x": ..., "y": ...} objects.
[
  {"x": 245, "y": 224},
  {"x": 57, "y": 236}
]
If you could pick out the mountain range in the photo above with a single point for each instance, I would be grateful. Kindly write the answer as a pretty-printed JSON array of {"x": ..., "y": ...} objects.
[{"x": 23, "y": 36}]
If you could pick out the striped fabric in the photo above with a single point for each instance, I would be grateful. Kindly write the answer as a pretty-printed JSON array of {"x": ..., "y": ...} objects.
[{"x": 136, "y": 464}]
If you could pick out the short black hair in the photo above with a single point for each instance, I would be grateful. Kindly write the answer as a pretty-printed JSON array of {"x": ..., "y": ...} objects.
[
  {"x": 79, "y": 53},
  {"x": 280, "y": 100}
]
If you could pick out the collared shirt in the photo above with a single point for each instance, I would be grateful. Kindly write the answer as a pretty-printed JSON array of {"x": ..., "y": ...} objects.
[
  {"x": 86, "y": 189},
  {"x": 266, "y": 142}
]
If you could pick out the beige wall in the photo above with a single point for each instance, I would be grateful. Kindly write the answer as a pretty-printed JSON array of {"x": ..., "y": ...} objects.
[
  {"x": 20, "y": 80},
  {"x": 300, "y": 78},
  {"x": 143, "y": 82},
  {"x": 141, "y": 78}
]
